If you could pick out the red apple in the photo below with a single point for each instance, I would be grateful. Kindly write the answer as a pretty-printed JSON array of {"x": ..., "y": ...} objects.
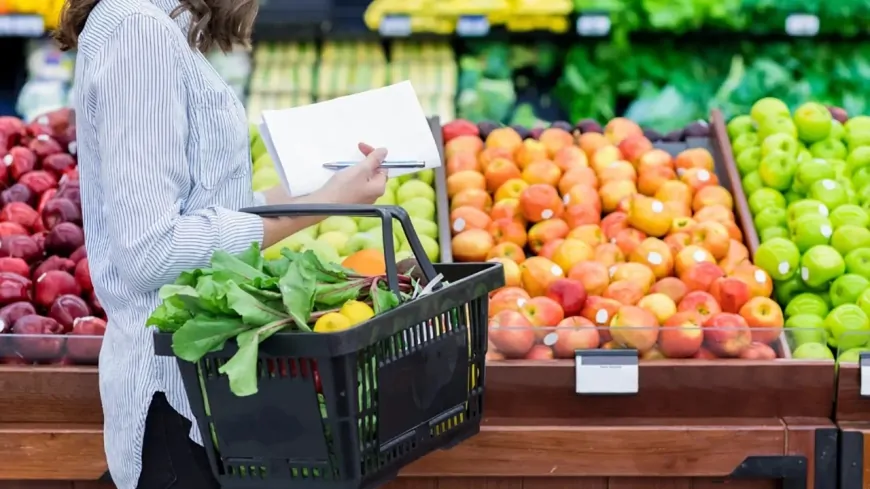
[{"x": 568, "y": 293}]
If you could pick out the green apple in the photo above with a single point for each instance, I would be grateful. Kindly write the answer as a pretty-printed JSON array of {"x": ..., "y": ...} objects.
[
  {"x": 860, "y": 177},
  {"x": 786, "y": 290},
  {"x": 847, "y": 288},
  {"x": 838, "y": 132},
  {"x": 774, "y": 232},
  {"x": 324, "y": 251},
  {"x": 821, "y": 264},
  {"x": 777, "y": 125},
  {"x": 366, "y": 223},
  {"x": 393, "y": 185},
  {"x": 430, "y": 246},
  {"x": 751, "y": 183},
  {"x": 427, "y": 176},
  {"x": 389, "y": 198},
  {"x": 748, "y": 160},
  {"x": 848, "y": 326},
  {"x": 420, "y": 207},
  {"x": 804, "y": 155},
  {"x": 778, "y": 257},
  {"x": 849, "y": 214},
  {"x": 812, "y": 351},
  {"x": 414, "y": 188},
  {"x": 780, "y": 142},
  {"x": 294, "y": 242},
  {"x": 829, "y": 149},
  {"x": 858, "y": 158},
  {"x": 810, "y": 172},
  {"x": 777, "y": 170},
  {"x": 811, "y": 230},
  {"x": 847, "y": 238},
  {"x": 424, "y": 227},
  {"x": 864, "y": 300},
  {"x": 404, "y": 178},
  {"x": 744, "y": 142},
  {"x": 852, "y": 355},
  {"x": 805, "y": 328},
  {"x": 764, "y": 198},
  {"x": 263, "y": 162},
  {"x": 258, "y": 148},
  {"x": 807, "y": 303},
  {"x": 861, "y": 122},
  {"x": 813, "y": 122},
  {"x": 766, "y": 108},
  {"x": 770, "y": 217},
  {"x": 404, "y": 255},
  {"x": 857, "y": 131},
  {"x": 794, "y": 196},
  {"x": 336, "y": 239},
  {"x": 840, "y": 169},
  {"x": 858, "y": 261},
  {"x": 742, "y": 124},
  {"x": 343, "y": 224},
  {"x": 265, "y": 179},
  {"x": 829, "y": 192},
  {"x": 311, "y": 231},
  {"x": 807, "y": 206},
  {"x": 364, "y": 241}
]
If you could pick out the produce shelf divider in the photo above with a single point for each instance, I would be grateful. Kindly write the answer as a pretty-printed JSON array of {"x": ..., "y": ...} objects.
[{"x": 442, "y": 203}]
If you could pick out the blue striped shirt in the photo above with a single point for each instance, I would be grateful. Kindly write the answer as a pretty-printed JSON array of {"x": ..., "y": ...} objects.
[{"x": 165, "y": 164}]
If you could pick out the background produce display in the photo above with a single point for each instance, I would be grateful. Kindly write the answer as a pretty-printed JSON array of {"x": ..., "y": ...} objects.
[
  {"x": 49, "y": 311},
  {"x": 806, "y": 175},
  {"x": 616, "y": 243}
]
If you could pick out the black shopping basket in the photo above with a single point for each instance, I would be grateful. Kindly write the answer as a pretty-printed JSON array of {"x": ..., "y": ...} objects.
[{"x": 349, "y": 409}]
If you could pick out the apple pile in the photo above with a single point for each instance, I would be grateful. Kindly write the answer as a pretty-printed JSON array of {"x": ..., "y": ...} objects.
[
  {"x": 606, "y": 242},
  {"x": 807, "y": 179},
  {"x": 338, "y": 237},
  {"x": 46, "y": 295}
]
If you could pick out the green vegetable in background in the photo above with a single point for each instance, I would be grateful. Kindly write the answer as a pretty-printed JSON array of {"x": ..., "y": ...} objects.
[{"x": 250, "y": 299}]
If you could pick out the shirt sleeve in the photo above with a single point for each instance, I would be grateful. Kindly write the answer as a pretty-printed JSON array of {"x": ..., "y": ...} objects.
[{"x": 142, "y": 126}]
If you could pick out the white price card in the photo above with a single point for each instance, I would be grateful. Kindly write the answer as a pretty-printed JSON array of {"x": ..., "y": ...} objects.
[
  {"x": 593, "y": 25},
  {"x": 864, "y": 365},
  {"x": 395, "y": 26},
  {"x": 802, "y": 25},
  {"x": 472, "y": 26},
  {"x": 606, "y": 372}
]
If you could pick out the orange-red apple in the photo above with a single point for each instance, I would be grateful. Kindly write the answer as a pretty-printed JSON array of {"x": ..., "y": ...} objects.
[
  {"x": 468, "y": 217},
  {"x": 694, "y": 158},
  {"x": 461, "y": 162},
  {"x": 512, "y": 276},
  {"x": 634, "y": 147},
  {"x": 571, "y": 157},
  {"x": 701, "y": 276},
  {"x": 681, "y": 335},
  {"x": 568, "y": 293},
  {"x": 726, "y": 334},
  {"x": 511, "y": 189},
  {"x": 507, "y": 209},
  {"x": 546, "y": 231},
  {"x": 539, "y": 352},
  {"x": 620, "y": 128},
  {"x": 613, "y": 223},
  {"x": 671, "y": 287},
  {"x": 511, "y": 334},
  {"x": 617, "y": 170},
  {"x": 634, "y": 327},
  {"x": 712, "y": 236},
  {"x": 554, "y": 139},
  {"x": 614, "y": 192},
  {"x": 500, "y": 171},
  {"x": 538, "y": 272},
  {"x": 571, "y": 252},
  {"x": 465, "y": 180},
  {"x": 581, "y": 215},
  {"x": 592, "y": 142},
  {"x": 624, "y": 292},
  {"x": 701, "y": 303},
  {"x": 472, "y": 245},
  {"x": 712, "y": 195},
  {"x": 511, "y": 251},
  {"x": 650, "y": 180},
  {"x": 593, "y": 275},
  {"x": 575, "y": 333},
  {"x": 549, "y": 249},
  {"x": 578, "y": 176},
  {"x": 649, "y": 215},
  {"x": 731, "y": 293},
  {"x": 473, "y": 197},
  {"x": 758, "y": 351},
  {"x": 765, "y": 319},
  {"x": 506, "y": 230},
  {"x": 759, "y": 282},
  {"x": 660, "y": 305},
  {"x": 691, "y": 255},
  {"x": 675, "y": 191},
  {"x": 540, "y": 202},
  {"x": 590, "y": 234},
  {"x": 655, "y": 254},
  {"x": 609, "y": 254},
  {"x": 543, "y": 171},
  {"x": 633, "y": 272}
]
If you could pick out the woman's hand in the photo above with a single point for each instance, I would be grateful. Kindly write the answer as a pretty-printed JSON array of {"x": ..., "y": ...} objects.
[{"x": 362, "y": 183}]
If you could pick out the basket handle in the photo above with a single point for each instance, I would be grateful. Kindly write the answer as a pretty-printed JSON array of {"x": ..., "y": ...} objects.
[{"x": 385, "y": 212}]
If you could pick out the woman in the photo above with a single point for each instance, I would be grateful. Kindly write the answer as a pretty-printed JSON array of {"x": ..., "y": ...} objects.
[{"x": 165, "y": 166}]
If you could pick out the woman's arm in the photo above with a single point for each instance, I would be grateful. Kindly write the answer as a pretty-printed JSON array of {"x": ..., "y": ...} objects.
[{"x": 141, "y": 119}]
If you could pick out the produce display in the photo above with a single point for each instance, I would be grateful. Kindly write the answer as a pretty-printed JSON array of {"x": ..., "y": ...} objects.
[
  {"x": 605, "y": 241},
  {"x": 294, "y": 74},
  {"x": 248, "y": 298},
  {"x": 48, "y": 310},
  {"x": 357, "y": 242},
  {"x": 807, "y": 179}
]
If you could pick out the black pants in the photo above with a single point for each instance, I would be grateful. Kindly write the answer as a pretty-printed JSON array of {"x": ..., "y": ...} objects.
[{"x": 170, "y": 459}]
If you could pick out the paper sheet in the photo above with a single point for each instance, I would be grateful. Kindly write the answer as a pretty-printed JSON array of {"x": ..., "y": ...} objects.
[{"x": 301, "y": 139}]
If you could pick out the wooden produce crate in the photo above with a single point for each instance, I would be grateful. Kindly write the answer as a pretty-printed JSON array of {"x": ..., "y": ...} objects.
[{"x": 852, "y": 415}]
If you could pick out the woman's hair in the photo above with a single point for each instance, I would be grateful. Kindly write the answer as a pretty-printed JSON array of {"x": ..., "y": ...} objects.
[{"x": 214, "y": 23}]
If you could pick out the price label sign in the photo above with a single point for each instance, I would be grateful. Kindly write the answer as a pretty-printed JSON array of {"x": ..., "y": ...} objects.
[
  {"x": 864, "y": 365},
  {"x": 606, "y": 372},
  {"x": 22, "y": 26},
  {"x": 593, "y": 25},
  {"x": 395, "y": 26},
  {"x": 472, "y": 26},
  {"x": 802, "y": 25}
]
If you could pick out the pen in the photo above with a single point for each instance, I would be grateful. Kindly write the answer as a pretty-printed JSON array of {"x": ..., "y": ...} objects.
[{"x": 390, "y": 165}]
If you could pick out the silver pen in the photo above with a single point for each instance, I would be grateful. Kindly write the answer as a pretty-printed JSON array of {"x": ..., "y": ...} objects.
[{"x": 389, "y": 165}]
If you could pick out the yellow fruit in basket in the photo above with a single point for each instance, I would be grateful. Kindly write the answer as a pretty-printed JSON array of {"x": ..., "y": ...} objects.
[
  {"x": 332, "y": 322},
  {"x": 356, "y": 312}
]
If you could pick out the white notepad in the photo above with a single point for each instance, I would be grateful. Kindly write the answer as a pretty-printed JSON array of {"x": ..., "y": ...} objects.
[{"x": 301, "y": 139}]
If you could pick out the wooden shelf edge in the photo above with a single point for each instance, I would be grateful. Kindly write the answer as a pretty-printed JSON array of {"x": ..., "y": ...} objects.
[{"x": 52, "y": 452}]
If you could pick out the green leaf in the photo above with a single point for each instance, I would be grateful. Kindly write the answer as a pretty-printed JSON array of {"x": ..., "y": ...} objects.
[
  {"x": 297, "y": 288},
  {"x": 252, "y": 256},
  {"x": 382, "y": 300},
  {"x": 168, "y": 318},
  {"x": 213, "y": 295},
  {"x": 204, "y": 334},
  {"x": 183, "y": 297},
  {"x": 188, "y": 278},
  {"x": 242, "y": 367},
  {"x": 234, "y": 268},
  {"x": 332, "y": 295},
  {"x": 277, "y": 267},
  {"x": 252, "y": 310}
]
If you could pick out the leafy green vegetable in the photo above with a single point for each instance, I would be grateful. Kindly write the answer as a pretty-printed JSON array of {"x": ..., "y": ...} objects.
[{"x": 250, "y": 299}]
